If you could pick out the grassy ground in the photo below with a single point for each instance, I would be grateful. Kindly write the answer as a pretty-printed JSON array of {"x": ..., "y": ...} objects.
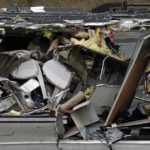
[{"x": 86, "y": 4}]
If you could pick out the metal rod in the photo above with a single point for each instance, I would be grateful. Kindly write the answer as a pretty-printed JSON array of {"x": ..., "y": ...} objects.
[
  {"x": 103, "y": 67},
  {"x": 139, "y": 4},
  {"x": 142, "y": 99},
  {"x": 46, "y": 106}
]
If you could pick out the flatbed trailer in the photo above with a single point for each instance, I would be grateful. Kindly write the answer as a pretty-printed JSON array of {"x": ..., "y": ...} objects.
[{"x": 41, "y": 134}]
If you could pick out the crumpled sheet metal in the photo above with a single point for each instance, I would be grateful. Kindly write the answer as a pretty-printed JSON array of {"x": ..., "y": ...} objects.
[
  {"x": 121, "y": 25},
  {"x": 67, "y": 18},
  {"x": 6, "y": 103},
  {"x": 12, "y": 59},
  {"x": 21, "y": 98},
  {"x": 128, "y": 24},
  {"x": 74, "y": 59}
]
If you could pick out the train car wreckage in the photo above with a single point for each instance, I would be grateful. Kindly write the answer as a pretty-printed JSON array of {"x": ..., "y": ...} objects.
[{"x": 74, "y": 74}]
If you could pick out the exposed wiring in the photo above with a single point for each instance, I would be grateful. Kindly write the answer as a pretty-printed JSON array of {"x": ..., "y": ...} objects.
[{"x": 103, "y": 67}]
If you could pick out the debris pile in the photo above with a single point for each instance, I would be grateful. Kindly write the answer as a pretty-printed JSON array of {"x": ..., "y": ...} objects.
[
  {"x": 60, "y": 81},
  {"x": 77, "y": 77}
]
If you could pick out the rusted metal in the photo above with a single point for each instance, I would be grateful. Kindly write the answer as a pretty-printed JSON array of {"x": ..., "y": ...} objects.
[{"x": 134, "y": 73}]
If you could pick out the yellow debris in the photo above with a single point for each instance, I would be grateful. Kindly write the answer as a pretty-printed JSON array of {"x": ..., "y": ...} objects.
[
  {"x": 82, "y": 35},
  {"x": 120, "y": 56},
  {"x": 97, "y": 43},
  {"x": 2, "y": 31},
  {"x": 47, "y": 32},
  {"x": 77, "y": 42},
  {"x": 88, "y": 92},
  {"x": 148, "y": 87},
  {"x": 89, "y": 64},
  {"x": 3, "y": 9},
  {"x": 14, "y": 113}
]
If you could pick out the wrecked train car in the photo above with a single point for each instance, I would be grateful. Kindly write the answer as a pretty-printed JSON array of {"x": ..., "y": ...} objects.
[{"x": 65, "y": 81}]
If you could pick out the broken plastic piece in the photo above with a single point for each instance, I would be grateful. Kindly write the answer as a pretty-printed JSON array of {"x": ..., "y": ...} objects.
[
  {"x": 57, "y": 74},
  {"x": 30, "y": 85}
]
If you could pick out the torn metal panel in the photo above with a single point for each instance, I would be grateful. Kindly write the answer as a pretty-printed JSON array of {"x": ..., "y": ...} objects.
[
  {"x": 10, "y": 60},
  {"x": 23, "y": 100},
  {"x": 134, "y": 73},
  {"x": 57, "y": 74},
  {"x": 104, "y": 96},
  {"x": 84, "y": 114},
  {"x": 6, "y": 103},
  {"x": 75, "y": 59},
  {"x": 102, "y": 55}
]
